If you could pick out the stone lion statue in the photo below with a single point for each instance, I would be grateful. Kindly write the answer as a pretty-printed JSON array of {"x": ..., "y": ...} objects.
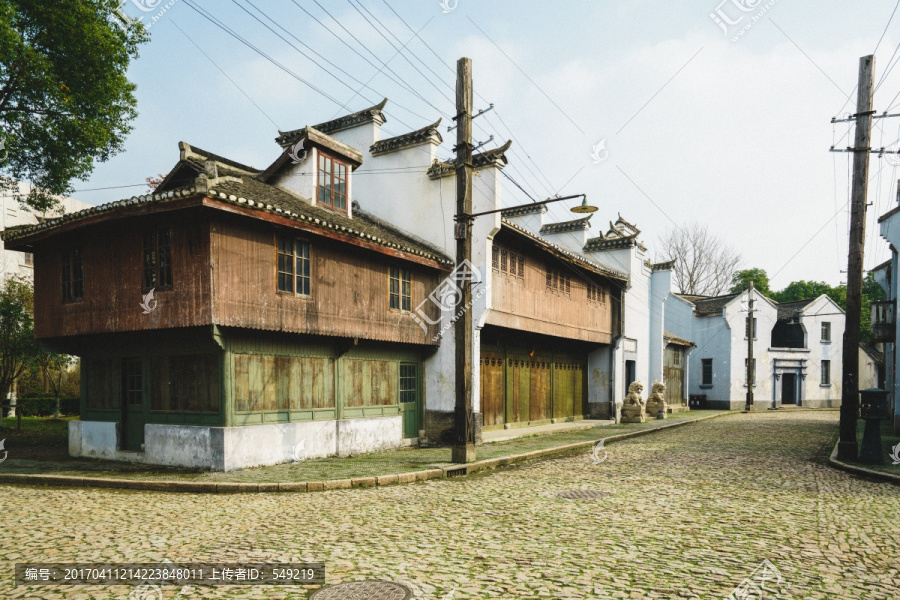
[
  {"x": 656, "y": 403},
  {"x": 633, "y": 407},
  {"x": 634, "y": 393}
]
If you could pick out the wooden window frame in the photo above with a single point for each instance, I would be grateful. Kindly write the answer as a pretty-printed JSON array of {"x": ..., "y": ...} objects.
[
  {"x": 507, "y": 262},
  {"x": 415, "y": 383},
  {"x": 301, "y": 284},
  {"x": 326, "y": 191},
  {"x": 826, "y": 331},
  {"x": 133, "y": 377},
  {"x": 72, "y": 275},
  {"x": 403, "y": 293},
  {"x": 825, "y": 368},
  {"x": 559, "y": 282},
  {"x": 157, "y": 270}
]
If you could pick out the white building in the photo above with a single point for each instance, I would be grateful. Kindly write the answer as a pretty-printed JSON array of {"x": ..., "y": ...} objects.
[
  {"x": 797, "y": 349},
  {"x": 21, "y": 263}
]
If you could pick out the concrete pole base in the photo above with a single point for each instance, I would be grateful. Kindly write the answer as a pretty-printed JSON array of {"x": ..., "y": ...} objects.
[{"x": 463, "y": 454}]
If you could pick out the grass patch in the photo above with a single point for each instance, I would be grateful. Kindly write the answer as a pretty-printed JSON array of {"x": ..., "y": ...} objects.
[{"x": 888, "y": 440}]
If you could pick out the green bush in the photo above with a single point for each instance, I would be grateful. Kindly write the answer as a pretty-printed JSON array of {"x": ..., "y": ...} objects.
[{"x": 45, "y": 407}]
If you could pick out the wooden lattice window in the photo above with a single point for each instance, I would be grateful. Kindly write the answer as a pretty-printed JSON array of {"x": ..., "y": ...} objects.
[
  {"x": 157, "y": 258},
  {"x": 72, "y": 275}
]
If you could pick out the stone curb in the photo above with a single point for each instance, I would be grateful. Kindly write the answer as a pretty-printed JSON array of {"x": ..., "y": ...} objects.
[
  {"x": 856, "y": 470},
  {"x": 206, "y": 487}
]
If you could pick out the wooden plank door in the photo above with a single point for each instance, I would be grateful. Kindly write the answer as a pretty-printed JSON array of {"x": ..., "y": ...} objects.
[
  {"x": 518, "y": 387},
  {"x": 492, "y": 388},
  {"x": 540, "y": 388}
]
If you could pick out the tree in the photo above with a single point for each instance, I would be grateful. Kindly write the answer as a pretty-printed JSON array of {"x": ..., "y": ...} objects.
[
  {"x": 740, "y": 281},
  {"x": 871, "y": 292},
  {"x": 807, "y": 290},
  {"x": 153, "y": 182},
  {"x": 18, "y": 349},
  {"x": 704, "y": 264},
  {"x": 65, "y": 100},
  {"x": 54, "y": 367}
]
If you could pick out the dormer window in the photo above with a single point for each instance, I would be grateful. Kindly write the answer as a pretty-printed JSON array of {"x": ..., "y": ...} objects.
[{"x": 331, "y": 189}]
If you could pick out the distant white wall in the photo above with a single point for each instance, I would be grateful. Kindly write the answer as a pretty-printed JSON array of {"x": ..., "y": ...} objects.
[{"x": 11, "y": 214}]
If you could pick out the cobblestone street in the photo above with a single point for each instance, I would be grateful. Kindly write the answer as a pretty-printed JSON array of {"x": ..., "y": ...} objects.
[{"x": 690, "y": 513}]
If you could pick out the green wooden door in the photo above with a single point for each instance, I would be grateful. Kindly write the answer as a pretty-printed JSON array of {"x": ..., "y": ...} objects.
[
  {"x": 133, "y": 409},
  {"x": 409, "y": 399}
]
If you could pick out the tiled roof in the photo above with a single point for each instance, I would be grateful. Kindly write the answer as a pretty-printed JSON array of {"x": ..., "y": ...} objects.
[
  {"x": 621, "y": 234},
  {"x": 247, "y": 190},
  {"x": 286, "y": 138},
  {"x": 524, "y": 210},
  {"x": 790, "y": 310},
  {"x": 413, "y": 138},
  {"x": 873, "y": 351},
  {"x": 582, "y": 224},
  {"x": 712, "y": 307},
  {"x": 495, "y": 156},
  {"x": 663, "y": 266},
  {"x": 677, "y": 340},
  {"x": 565, "y": 254}
]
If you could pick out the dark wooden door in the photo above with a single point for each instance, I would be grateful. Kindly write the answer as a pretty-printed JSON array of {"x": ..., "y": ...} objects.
[
  {"x": 133, "y": 410},
  {"x": 492, "y": 388},
  {"x": 788, "y": 388}
]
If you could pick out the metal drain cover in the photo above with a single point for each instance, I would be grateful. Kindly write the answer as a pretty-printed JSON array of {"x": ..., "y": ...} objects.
[
  {"x": 364, "y": 590},
  {"x": 582, "y": 494}
]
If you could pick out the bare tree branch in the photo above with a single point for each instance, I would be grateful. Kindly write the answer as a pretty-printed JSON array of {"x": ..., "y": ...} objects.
[{"x": 704, "y": 263}]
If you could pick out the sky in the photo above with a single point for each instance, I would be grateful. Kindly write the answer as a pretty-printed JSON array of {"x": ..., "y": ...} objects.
[{"x": 653, "y": 109}]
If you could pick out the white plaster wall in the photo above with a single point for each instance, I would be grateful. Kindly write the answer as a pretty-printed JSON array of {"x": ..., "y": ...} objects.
[
  {"x": 359, "y": 436},
  {"x": 300, "y": 179},
  {"x": 180, "y": 445},
  {"x": 713, "y": 338},
  {"x": 531, "y": 222},
  {"x": 638, "y": 318},
  {"x": 99, "y": 439},
  {"x": 660, "y": 288},
  {"x": 272, "y": 444},
  {"x": 766, "y": 315},
  {"x": 822, "y": 310}
]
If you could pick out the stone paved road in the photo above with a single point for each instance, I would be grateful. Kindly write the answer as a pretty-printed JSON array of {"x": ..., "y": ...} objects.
[{"x": 690, "y": 514}]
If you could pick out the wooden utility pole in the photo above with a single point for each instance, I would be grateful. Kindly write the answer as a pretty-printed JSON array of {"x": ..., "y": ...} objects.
[
  {"x": 464, "y": 443},
  {"x": 847, "y": 448},
  {"x": 751, "y": 331}
]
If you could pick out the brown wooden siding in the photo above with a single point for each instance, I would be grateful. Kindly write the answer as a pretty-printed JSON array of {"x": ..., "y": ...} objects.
[
  {"x": 113, "y": 275},
  {"x": 526, "y": 304},
  {"x": 270, "y": 383},
  {"x": 349, "y": 295}
]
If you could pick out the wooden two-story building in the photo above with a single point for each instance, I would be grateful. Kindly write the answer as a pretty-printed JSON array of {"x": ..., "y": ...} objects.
[{"x": 226, "y": 322}]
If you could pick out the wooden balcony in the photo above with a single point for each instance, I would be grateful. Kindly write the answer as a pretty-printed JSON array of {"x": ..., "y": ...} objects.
[{"x": 884, "y": 325}]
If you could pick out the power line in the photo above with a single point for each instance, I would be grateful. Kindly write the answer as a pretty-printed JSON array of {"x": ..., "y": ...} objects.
[
  {"x": 175, "y": 23},
  {"x": 399, "y": 82},
  {"x": 340, "y": 80}
]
